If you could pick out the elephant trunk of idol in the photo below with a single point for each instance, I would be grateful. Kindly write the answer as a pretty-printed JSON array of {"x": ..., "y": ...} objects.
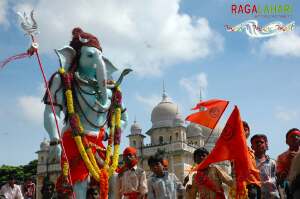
[{"x": 101, "y": 75}]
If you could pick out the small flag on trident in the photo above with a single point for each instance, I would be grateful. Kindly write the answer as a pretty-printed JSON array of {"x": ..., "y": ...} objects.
[
  {"x": 12, "y": 58},
  {"x": 30, "y": 28}
]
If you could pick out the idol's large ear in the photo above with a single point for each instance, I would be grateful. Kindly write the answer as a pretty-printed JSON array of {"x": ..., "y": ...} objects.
[
  {"x": 65, "y": 56},
  {"x": 110, "y": 68}
]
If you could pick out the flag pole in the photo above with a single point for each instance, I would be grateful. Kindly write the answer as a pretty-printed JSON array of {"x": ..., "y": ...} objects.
[
  {"x": 206, "y": 141},
  {"x": 31, "y": 29}
]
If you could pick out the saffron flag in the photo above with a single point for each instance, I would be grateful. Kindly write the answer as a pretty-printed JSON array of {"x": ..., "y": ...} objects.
[
  {"x": 232, "y": 146},
  {"x": 209, "y": 114}
]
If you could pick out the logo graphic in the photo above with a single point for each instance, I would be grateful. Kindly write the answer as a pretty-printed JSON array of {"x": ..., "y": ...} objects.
[
  {"x": 214, "y": 112},
  {"x": 228, "y": 132},
  {"x": 252, "y": 29}
]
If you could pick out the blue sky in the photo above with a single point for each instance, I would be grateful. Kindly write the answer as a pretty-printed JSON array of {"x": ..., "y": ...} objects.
[{"x": 183, "y": 43}]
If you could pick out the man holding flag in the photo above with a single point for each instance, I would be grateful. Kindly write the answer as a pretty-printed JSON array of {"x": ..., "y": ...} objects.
[
  {"x": 208, "y": 182},
  {"x": 253, "y": 181}
]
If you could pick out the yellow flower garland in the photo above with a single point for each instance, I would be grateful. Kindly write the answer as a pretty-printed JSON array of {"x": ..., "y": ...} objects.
[
  {"x": 80, "y": 127},
  {"x": 92, "y": 159},
  {"x": 61, "y": 70},
  {"x": 109, "y": 147},
  {"x": 70, "y": 105},
  {"x": 85, "y": 157},
  {"x": 115, "y": 161},
  {"x": 107, "y": 158}
]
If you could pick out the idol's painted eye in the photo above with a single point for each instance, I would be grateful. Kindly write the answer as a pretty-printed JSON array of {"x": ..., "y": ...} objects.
[{"x": 90, "y": 55}]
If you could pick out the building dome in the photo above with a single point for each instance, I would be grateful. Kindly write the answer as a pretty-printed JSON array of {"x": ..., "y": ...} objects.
[
  {"x": 178, "y": 121},
  {"x": 194, "y": 130},
  {"x": 216, "y": 133},
  {"x": 135, "y": 128},
  {"x": 44, "y": 146},
  {"x": 165, "y": 113}
]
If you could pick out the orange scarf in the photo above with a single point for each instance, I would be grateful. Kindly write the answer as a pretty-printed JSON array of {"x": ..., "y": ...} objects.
[{"x": 126, "y": 167}]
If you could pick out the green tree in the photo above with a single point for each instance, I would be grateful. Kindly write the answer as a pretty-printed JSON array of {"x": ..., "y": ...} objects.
[
  {"x": 30, "y": 169},
  {"x": 21, "y": 172}
]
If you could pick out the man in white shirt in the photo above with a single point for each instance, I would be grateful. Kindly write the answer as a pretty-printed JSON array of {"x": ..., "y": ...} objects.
[
  {"x": 162, "y": 184},
  {"x": 10, "y": 190}
]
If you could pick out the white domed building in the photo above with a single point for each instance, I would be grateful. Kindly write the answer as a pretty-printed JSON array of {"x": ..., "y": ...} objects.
[{"x": 169, "y": 134}]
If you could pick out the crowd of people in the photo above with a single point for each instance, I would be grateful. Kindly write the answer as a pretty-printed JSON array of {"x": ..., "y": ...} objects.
[
  {"x": 270, "y": 179},
  {"x": 11, "y": 190}
]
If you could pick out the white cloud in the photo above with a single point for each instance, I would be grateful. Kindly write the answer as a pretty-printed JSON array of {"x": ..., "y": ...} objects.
[
  {"x": 3, "y": 9},
  {"x": 31, "y": 109},
  {"x": 146, "y": 35},
  {"x": 149, "y": 101},
  {"x": 285, "y": 44},
  {"x": 193, "y": 85},
  {"x": 286, "y": 115}
]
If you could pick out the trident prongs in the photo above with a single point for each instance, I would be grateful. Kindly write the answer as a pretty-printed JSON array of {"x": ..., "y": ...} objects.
[{"x": 28, "y": 25}]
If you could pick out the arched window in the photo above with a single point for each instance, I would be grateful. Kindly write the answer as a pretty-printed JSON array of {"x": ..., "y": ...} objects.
[
  {"x": 134, "y": 143},
  {"x": 170, "y": 138},
  {"x": 177, "y": 136},
  {"x": 161, "y": 139}
]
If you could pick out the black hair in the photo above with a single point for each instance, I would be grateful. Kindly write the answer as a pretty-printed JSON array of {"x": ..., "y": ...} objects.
[
  {"x": 259, "y": 135},
  {"x": 245, "y": 124},
  {"x": 153, "y": 160},
  {"x": 200, "y": 151},
  {"x": 91, "y": 191},
  {"x": 11, "y": 176},
  {"x": 290, "y": 131}
]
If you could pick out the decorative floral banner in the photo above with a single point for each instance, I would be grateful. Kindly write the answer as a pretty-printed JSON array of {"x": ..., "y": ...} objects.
[{"x": 252, "y": 28}]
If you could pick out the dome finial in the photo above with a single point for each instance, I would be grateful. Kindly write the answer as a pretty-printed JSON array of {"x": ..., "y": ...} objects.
[
  {"x": 201, "y": 97},
  {"x": 135, "y": 127},
  {"x": 164, "y": 95},
  {"x": 134, "y": 119}
]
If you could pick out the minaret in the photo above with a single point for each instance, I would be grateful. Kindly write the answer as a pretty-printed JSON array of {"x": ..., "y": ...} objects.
[
  {"x": 136, "y": 138},
  {"x": 201, "y": 99},
  {"x": 42, "y": 166}
]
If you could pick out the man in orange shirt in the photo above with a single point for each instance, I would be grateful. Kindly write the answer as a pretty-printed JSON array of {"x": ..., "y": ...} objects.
[{"x": 284, "y": 160}]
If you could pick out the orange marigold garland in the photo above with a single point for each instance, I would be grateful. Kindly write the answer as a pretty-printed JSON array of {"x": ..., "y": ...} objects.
[{"x": 103, "y": 179}]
